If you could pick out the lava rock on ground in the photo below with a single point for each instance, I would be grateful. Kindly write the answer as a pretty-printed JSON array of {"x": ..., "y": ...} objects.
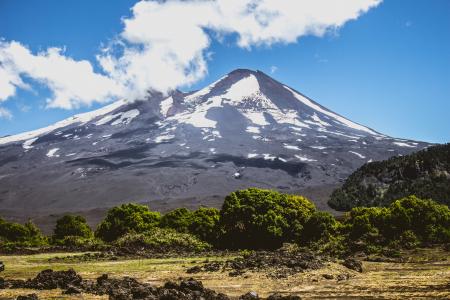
[
  {"x": 125, "y": 288},
  {"x": 28, "y": 297},
  {"x": 353, "y": 264},
  {"x": 47, "y": 280},
  {"x": 279, "y": 263}
]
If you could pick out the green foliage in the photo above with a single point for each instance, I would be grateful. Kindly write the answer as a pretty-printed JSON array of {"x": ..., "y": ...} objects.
[
  {"x": 69, "y": 225},
  {"x": 127, "y": 218},
  {"x": 321, "y": 226},
  {"x": 21, "y": 235},
  {"x": 204, "y": 224},
  {"x": 256, "y": 218},
  {"x": 80, "y": 242},
  {"x": 406, "y": 223},
  {"x": 179, "y": 219},
  {"x": 424, "y": 174},
  {"x": 163, "y": 239}
]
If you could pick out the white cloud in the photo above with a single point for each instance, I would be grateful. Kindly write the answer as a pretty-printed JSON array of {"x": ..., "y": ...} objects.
[
  {"x": 273, "y": 69},
  {"x": 165, "y": 44},
  {"x": 5, "y": 114},
  {"x": 73, "y": 83}
]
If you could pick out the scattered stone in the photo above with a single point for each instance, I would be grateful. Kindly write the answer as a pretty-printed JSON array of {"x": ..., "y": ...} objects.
[
  {"x": 28, "y": 297},
  {"x": 2, "y": 266},
  {"x": 328, "y": 276},
  {"x": 236, "y": 273},
  {"x": 278, "y": 296},
  {"x": 194, "y": 270},
  {"x": 249, "y": 296},
  {"x": 353, "y": 264},
  {"x": 342, "y": 277},
  {"x": 280, "y": 264},
  {"x": 125, "y": 288},
  {"x": 72, "y": 290}
]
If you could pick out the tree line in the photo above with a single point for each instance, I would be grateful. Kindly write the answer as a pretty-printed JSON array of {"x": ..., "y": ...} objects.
[{"x": 251, "y": 219}]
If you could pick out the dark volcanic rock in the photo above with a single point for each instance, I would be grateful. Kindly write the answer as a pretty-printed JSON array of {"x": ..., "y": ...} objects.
[
  {"x": 126, "y": 288},
  {"x": 283, "y": 297},
  {"x": 47, "y": 280},
  {"x": 250, "y": 296},
  {"x": 28, "y": 297},
  {"x": 2, "y": 266},
  {"x": 353, "y": 264},
  {"x": 278, "y": 264},
  {"x": 72, "y": 290}
]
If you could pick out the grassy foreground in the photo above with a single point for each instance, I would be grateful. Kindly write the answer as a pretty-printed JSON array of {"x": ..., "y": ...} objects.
[{"x": 426, "y": 273}]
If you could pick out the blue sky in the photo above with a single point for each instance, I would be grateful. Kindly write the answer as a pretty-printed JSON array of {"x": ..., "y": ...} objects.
[{"x": 389, "y": 69}]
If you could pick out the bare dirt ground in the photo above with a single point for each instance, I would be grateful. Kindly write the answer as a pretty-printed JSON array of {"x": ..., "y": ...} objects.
[{"x": 418, "y": 274}]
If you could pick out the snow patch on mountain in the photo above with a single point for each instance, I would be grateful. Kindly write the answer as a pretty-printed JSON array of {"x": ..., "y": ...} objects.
[
  {"x": 357, "y": 154},
  {"x": 80, "y": 118},
  {"x": 126, "y": 117},
  {"x": 401, "y": 144},
  {"x": 197, "y": 116},
  {"x": 52, "y": 152},
  {"x": 165, "y": 105},
  {"x": 28, "y": 143},
  {"x": 337, "y": 117},
  {"x": 253, "y": 129},
  {"x": 291, "y": 147},
  {"x": 304, "y": 158},
  {"x": 256, "y": 117}
]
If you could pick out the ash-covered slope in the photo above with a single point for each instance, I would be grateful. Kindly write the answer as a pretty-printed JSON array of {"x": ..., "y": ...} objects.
[{"x": 244, "y": 130}]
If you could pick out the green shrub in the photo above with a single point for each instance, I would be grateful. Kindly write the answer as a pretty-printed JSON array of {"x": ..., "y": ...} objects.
[
  {"x": 163, "y": 239},
  {"x": 256, "y": 218},
  {"x": 127, "y": 218},
  {"x": 428, "y": 220},
  {"x": 78, "y": 241},
  {"x": 21, "y": 235},
  {"x": 406, "y": 223},
  {"x": 204, "y": 224},
  {"x": 321, "y": 226},
  {"x": 179, "y": 219},
  {"x": 69, "y": 225}
]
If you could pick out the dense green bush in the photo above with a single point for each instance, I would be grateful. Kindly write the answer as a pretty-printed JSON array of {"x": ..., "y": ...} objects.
[
  {"x": 126, "y": 218},
  {"x": 406, "y": 223},
  {"x": 256, "y": 218},
  {"x": 162, "y": 240},
  {"x": 179, "y": 219},
  {"x": 204, "y": 224},
  {"x": 69, "y": 225},
  {"x": 80, "y": 242},
  {"x": 21, "y": 235},
  {"x": 321, "y": 226}
]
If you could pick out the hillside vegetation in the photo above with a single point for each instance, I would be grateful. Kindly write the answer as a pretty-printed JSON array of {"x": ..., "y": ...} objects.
[{"x": 425, "y": 174}]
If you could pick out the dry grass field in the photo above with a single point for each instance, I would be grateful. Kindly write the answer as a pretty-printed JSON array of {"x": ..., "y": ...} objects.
[{"x": 425, "y": 274}]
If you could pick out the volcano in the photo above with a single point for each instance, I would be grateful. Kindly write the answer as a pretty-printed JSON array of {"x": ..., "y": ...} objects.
[{"x": 187, "y": 149}]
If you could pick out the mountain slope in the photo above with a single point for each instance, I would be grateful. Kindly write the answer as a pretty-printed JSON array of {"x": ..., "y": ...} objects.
[
  {"x": 246, "y": 129},
  {"x": 425, "y": 174}
]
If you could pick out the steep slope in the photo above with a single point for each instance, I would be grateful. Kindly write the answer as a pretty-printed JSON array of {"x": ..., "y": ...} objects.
[
  {"x": 425, "y": 174},
  {"x": 246, "y": 129}
]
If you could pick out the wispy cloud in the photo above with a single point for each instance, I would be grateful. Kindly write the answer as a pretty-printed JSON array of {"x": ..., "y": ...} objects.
[
  {"x": 165, "y": 44},
  {"x": 408, "y": 23},
  {"x": 273, "y": 69},
  {"x": 5, "y": 114}
]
